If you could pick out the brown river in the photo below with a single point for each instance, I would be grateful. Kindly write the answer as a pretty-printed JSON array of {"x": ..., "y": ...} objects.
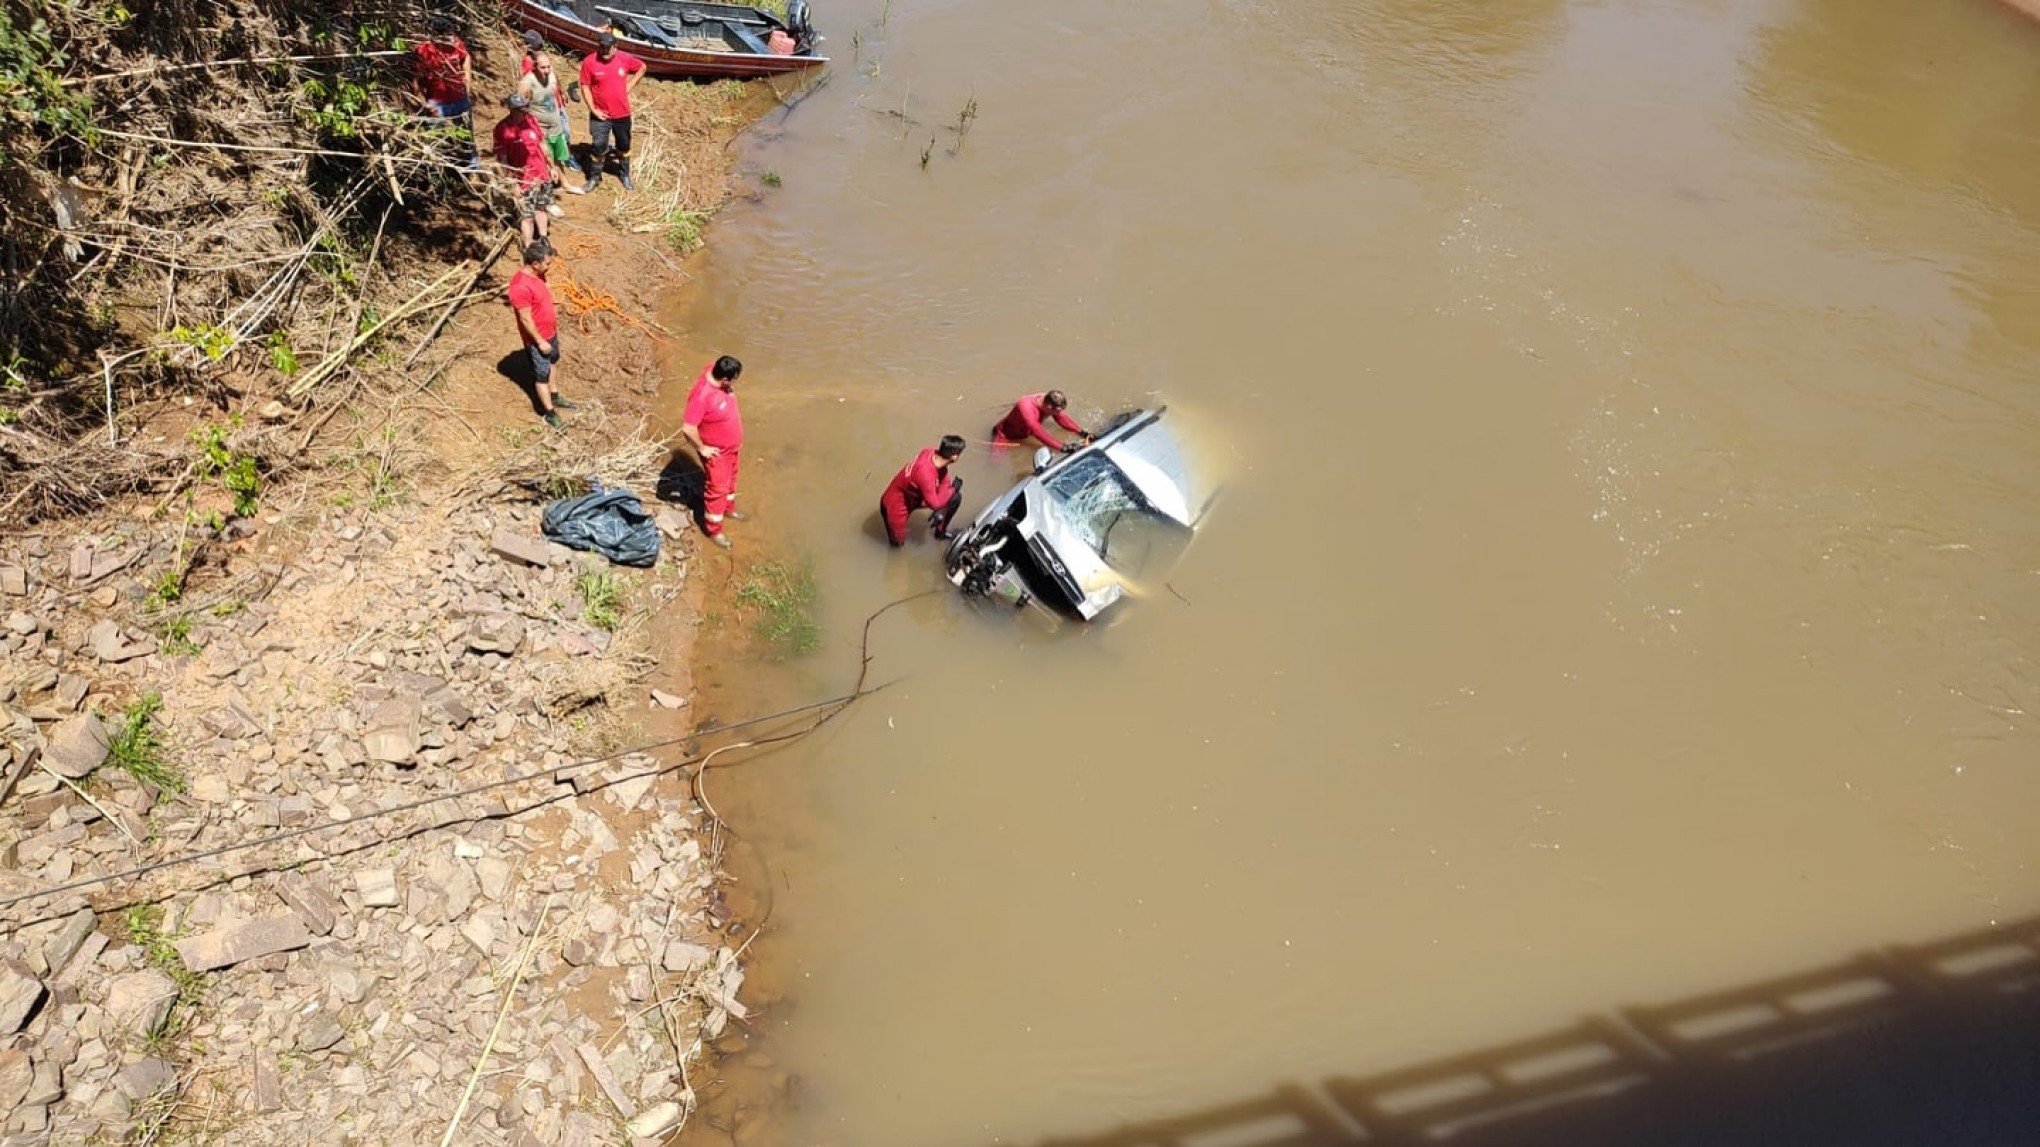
[{"x": 1626, "y": 582}]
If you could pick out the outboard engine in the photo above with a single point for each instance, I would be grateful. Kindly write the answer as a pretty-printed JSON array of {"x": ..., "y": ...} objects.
[{"x": 803, "y": 30}]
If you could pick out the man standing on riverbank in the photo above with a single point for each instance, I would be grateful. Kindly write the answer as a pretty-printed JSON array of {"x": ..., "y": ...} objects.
[
  {"x": 541, "y": 85},
  {"x": 607, "y": 78},
  {"x": 715, "y": 428},
  {"x": 1023, "y": 422},
  {"x": 924, "y": 484},
  {"x": 538, "y": 325},
  {"x": 519, "y": 145},
  {"x": 443, "y": 75}
]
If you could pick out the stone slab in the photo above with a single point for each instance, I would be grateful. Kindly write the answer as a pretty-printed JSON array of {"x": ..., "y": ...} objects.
[{"x": 225, "y": 947}]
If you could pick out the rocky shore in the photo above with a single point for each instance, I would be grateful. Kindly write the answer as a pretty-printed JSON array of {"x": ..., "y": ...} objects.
[{"x": 432, "y": 866}]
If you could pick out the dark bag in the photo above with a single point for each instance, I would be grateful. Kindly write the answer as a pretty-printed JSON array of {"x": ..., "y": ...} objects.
[{"x": 610, "y": 522}]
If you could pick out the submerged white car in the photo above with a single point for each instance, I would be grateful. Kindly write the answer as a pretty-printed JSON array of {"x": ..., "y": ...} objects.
[{"x": 1075, "y": 535}]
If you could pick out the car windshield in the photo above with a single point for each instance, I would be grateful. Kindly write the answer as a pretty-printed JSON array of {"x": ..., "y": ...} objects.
[{"x": 1093, "y": 496}]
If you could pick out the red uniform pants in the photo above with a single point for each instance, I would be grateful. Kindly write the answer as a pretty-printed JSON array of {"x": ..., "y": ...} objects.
[
  {"x": 895, "y": 508},
  {"x": 720, "y": 489}
]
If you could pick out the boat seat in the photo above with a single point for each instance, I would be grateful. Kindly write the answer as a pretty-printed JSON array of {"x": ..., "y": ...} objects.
[
  {"x": 748, "y": 39},
  {"x": 649, "y": 29}
]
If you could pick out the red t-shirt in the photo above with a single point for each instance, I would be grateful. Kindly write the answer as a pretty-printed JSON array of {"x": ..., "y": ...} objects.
[
  {"x": 1024, "y": 422},
  {"x": 712, "y": 411},
  {"x": 528, "y": 290},
  {"x": 602, "y": 82},
  {"x": 921, "y": 484},
  {"x": 441, "y": 71},
  {"x": 520, "y": 143}
]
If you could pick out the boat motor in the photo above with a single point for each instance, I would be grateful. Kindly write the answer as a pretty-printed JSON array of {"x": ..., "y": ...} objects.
[{"x": 798, "y": 23}]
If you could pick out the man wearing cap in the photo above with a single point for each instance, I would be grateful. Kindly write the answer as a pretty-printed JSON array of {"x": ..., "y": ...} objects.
[
  {"x": 442, "y": 75},
  {"x": 538, "y": 324},
  {"x": 607, "y": 76},
  {"x": 520, "y": 148},
  {"x": 541, "y": 85}
]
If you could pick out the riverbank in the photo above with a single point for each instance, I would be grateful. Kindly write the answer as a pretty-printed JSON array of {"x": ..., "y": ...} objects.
[{"x": 410, "y": 770}]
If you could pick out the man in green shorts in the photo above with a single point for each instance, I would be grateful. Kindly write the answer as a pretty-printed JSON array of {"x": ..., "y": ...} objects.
[{"x": 541, "y": 85}]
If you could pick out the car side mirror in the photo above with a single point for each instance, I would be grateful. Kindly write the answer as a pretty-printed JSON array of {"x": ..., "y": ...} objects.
[{"x": 1042, "y": 458}]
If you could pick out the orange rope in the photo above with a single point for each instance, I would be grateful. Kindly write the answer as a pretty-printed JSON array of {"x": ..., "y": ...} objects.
[{"x": 586, "y": 301}]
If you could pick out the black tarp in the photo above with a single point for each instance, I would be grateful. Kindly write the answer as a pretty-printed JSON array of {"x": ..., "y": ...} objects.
[{"x": 611, "y": 522}]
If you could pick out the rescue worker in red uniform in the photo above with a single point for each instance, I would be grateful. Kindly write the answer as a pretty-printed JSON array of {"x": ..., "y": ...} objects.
[
  {"x": 1023, "y": 422},
  {"x": 924, "y": 484},
  {"x": 715, "y": 427}
]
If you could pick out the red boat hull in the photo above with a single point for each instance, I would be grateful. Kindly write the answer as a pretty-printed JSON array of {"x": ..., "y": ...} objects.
[{"x": 659, "y": 61}]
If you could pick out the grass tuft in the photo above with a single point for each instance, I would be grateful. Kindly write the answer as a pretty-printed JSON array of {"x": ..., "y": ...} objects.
[
  {"x": 601, "y": 599},
  {"x": 781, "y": 600},
  {"x": 144, "y": 926},
  {"x": 137, "y": 750}
]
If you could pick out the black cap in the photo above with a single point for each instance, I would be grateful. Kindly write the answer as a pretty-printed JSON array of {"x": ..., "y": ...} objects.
[
  {"x": 519, "y": 101},
  {"x": 534, "y": 41},
  {"x": 606, "y": 40},
  {"x": 440, "y": 25}
]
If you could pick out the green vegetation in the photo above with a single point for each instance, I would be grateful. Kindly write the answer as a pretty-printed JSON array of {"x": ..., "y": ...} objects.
[
  {"x": 137, "y": 751},
  {"x": 928, "y": 153},
  {"x": 282, "y": 355},
  {"x": 781, "y": 600},
  {"x": 683, "y": 230},
  {"x": 601, "y": 599},
  {"x": 335, "y": 108},
  {"x": 175, "y": 631},
  {"x": 144, "y": 926},
  {"x": 31, "y": 82},
  {"x": 212, "y": 341},
  {"x": 235, "y": 471},
  {"x": 771, "y": 179}
]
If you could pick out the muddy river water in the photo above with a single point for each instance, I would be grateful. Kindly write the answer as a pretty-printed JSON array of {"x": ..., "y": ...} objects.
[{"x": 1626, "y": 584}]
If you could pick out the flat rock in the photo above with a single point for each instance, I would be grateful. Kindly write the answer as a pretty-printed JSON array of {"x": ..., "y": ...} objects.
[
  {"x": 17, "y": 1075},
  {"x": 606, "y": 1080},
  {"x": 322, "y": 1033},
  {"x": 21, "y": 623},
  {"x": 13, "y": 581},
  {"x": 107, "y": 643},
  {"x": 496, "y": 633},
  {"x": 393, "y": 731},
  {"x": 672, "y": 522},
  {"x": 20, "y": 992},
  {"x": 508, "y": 543},
  {"x": 656, "y": 1120},
  {"x": 313, "y": 906},
  {"x": 77, "y": 746},
  {"x": 69, "y": 938},
  {"x": 71, "y": 691},
  {"x": 681, "y": 956},
  {"x": 138, "y": 1003},
  {"x": 378, "y": 887},
  {"x": 225, "y": 947},
  {"x": 145, "y": 1077},
  {"x": 665, "y": 700}
]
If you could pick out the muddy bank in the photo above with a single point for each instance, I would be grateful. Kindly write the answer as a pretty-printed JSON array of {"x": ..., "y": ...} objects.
[{"x": 411, "y": 772}]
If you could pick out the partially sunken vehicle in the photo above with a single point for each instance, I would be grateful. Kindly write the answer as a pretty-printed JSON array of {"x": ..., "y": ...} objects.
[{"x": 1086, "y": 526}]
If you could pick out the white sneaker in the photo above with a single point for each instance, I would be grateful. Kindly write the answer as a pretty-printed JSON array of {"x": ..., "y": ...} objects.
[
  {"x": 554, "y": 209},
  {"x": 581, "y": 190}
]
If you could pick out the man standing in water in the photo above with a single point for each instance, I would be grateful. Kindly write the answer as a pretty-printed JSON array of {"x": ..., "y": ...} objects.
[
  {"x": 715, "y": 428},
  {"x": 607, "y": 78},
  {"x": 924, "y": 484},
  {"x": 1023, "y": 422}
]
